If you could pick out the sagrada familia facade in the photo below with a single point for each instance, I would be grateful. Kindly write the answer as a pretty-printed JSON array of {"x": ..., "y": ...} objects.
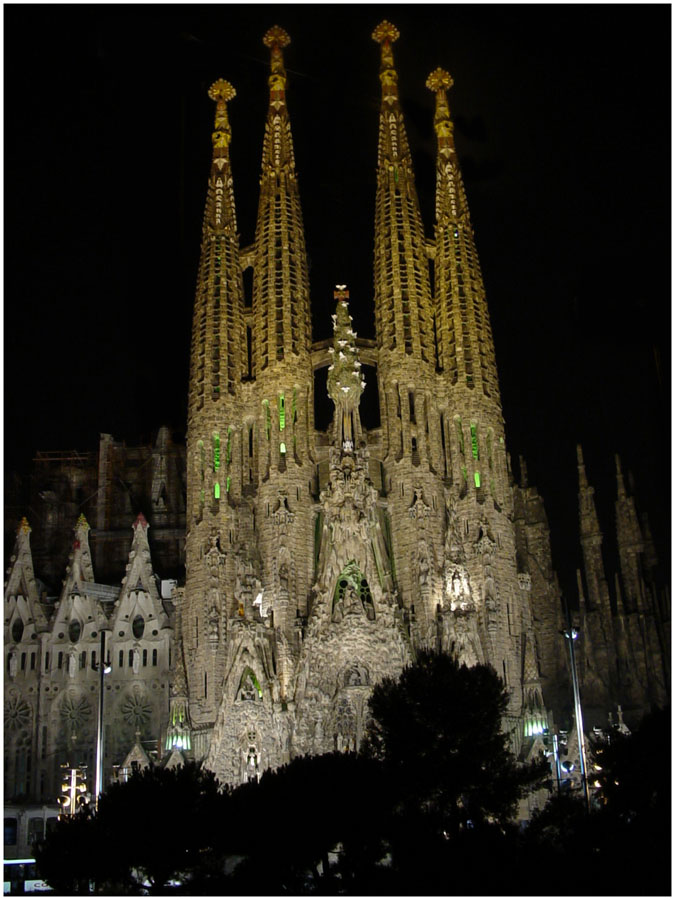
[{"x": 276, "y": 572}]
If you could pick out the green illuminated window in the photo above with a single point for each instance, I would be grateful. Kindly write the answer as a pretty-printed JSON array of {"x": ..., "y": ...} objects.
[
  {"x": 464, "y": 473},
  {"x": 282, "y": 448},
  {"x": 216, "y": 491},
  {"x": 474, "y": 442},
  {"x": 216, "y": 451},
  {"x": 201, "y": 496},
  {"x": 476, "y": 479},
  {"x": 282, "y": 412}
]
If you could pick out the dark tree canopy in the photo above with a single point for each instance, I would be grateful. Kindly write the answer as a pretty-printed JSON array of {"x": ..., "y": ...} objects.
[
  {"x": 160, "y": 825},
  {"x": 439, "y": 731}
]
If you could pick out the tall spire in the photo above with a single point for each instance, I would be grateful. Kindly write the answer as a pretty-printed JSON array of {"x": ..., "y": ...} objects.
[
  {"x": 217, "y": 331},
  {"x": 345, "y": 379},
  {"x": 403, "y": 315},
  {"x": 282, "y": 325},
  {"x": 465, "y": 345}
]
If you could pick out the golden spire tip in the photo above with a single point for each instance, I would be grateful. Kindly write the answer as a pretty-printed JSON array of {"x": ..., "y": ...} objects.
[
  {"x": 276, "y": 37},
  {"x": 439, "y": 80},
  {"x": 386, "y": 32},
  {"x": 222, "y": 90}
]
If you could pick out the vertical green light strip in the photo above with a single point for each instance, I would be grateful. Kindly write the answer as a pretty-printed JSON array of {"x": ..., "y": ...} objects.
[
  {"x": 474, "y": 441},
  {"x": 216, "y": 451},
  {"x": 282, "y": 412},
  {"x": 476, "y": 479}
]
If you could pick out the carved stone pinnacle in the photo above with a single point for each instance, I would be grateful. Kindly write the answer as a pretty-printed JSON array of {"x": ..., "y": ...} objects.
[
  {"x": 222, "y": 90},
  {"x": 439, "y": 80},
  {"x": 276, "y": 36},
  {"x": 385, "y": 31}
]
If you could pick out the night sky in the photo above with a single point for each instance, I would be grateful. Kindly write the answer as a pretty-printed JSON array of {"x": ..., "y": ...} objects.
[{"x": 562, "y": 118}]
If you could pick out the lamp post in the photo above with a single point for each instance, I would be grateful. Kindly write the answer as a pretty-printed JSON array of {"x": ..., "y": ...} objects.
[
  {"x": 103, "y": 670},
  {"x": 571, "y": 634}
]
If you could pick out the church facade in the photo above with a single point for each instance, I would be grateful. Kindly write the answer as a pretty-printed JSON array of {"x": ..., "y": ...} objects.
[{"x": 315, "y": 563}]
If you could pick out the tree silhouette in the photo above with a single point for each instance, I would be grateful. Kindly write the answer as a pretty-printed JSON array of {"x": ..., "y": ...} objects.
[
  {"x": 161, "y": 825},
  {"x": 439, "y": 730}
]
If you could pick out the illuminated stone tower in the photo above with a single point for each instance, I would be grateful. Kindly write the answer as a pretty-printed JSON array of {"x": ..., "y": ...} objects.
[{"x": 317, "y": 564}]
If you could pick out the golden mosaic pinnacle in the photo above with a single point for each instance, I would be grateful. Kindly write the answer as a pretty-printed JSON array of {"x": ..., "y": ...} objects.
[
  {"x": 439, "y": 80},
  {"x": 222, "y": 90},
  {"x": 385, "y": 31},
  {"x": 276, "y": 37},
  {"x": 24, "y": 527}
]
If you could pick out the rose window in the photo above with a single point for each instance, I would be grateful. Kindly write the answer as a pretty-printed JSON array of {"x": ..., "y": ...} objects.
[
  {"x": 136, "y": 710},
  {"x": 17, "y": 714},
  {"x": 75, "y": 711}
]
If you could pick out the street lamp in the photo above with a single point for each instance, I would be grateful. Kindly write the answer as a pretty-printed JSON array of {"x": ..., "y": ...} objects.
[
  {"x": 571, "y": 634},
  {"x": 104, "y": 669}
]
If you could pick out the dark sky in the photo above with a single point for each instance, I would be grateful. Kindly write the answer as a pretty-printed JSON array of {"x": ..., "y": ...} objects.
[{"x": 563, "y": 130}]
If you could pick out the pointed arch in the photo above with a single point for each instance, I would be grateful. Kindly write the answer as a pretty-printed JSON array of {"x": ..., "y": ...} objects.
[
  {"x": 249, "y": 686},
  {"x": 352, "y": 584}
]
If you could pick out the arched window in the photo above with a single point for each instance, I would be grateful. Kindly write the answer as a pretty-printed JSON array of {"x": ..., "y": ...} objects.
[
  {"x": 17, "y": 630},
  {"x": 249, "y": 686},
  {"x": 138, "y": 627},
  {"x": 352, "y": 594},
  {"x": 74, "y": 631},
  {"x": 154, "y": 657}
]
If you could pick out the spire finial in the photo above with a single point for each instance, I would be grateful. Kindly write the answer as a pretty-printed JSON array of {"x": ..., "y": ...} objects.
[
  {"x": 340, "y": 292},
  {"x": 24, "y": 527},
  {"x": 385, "y": 34},
  {"x": 221, "y": 92},
  {"x": 440, "y": 81},
  {"x": 276, "y": 39}
]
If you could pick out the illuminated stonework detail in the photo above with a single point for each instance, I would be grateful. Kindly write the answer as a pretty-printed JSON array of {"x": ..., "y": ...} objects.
[
  {"x": 403, "y": 312},
  {"x": 465, "y": 346}
]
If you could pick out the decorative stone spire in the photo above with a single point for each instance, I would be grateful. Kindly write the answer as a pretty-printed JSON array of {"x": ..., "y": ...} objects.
[
  {"x": 465, "y": 345},
  {"x": 403, "y": 315},
  {"x": 80, "y": 569},
  {"x": 281, "y": 283},
  {"x": 217, "y": 330},
  {"x": 345, "y": 380}
]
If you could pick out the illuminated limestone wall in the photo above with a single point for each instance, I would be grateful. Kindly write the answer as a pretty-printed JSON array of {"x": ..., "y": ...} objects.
[{"x": 52, "y": 654}]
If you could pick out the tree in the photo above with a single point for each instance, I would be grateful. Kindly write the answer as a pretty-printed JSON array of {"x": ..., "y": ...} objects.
[
  {"x": 455, "y": 784},
  {"x": 438, "y": 729},
  {"x": 316, "y": 824},
  {"x": 159, "y": 826}
]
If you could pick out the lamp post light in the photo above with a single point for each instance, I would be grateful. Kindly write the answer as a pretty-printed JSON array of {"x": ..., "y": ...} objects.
[
  {"x": 571, "y": 634},
  {"x": 103, "y": 669}
]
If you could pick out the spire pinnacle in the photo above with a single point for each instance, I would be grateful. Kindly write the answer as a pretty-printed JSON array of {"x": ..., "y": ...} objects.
[
  {"x": 440, "y": 81},
  {"x": 221, "y": 92},
  {"x": 621, "y": 487},
  {"x": 581, "y": 467},
  {"x": 385, "y": 34},
  {"x": 24, "y": 527},
  {"x": 276, "y": 39}
]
